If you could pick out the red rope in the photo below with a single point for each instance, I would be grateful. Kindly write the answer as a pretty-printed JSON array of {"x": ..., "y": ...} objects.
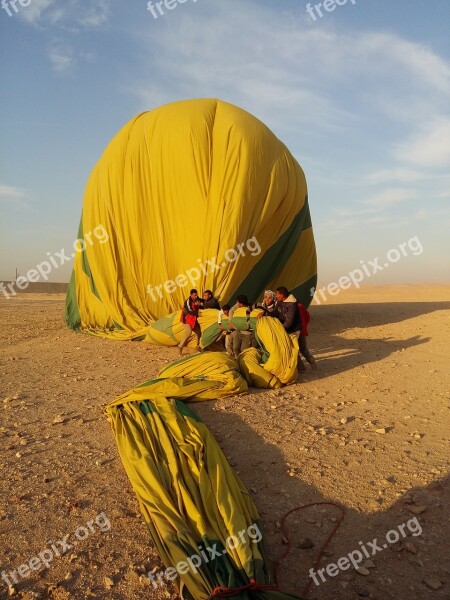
[
  {"x": 322, "y": 548},
  {"x": 253, "y": 586}
]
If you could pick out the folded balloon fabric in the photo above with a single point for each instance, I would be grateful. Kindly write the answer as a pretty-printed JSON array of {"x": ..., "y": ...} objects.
[
  {"x": 277, "y": 354},
  {"x": 215, "y": 367},
  {"x": 200, "y": 516},
  {"x": 280, "y": 349},
  {"x": 253, "y": 371}
]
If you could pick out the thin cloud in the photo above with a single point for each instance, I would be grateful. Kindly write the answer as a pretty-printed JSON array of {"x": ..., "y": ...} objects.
[
  {"x": 360, "y": 221},
  {"x": 389, "y": 197},
  {"x": 61, "y": 58},
  {"x": 72, "y": 15},
  {"x": 293, "y": 77},
  {"x": 429, "y": 147},
  {"x": 9, "y": 192},
  {"x": 397, "y": 174},
  {"x": 15, "y": 197},
  {"x": 34, "y": 14}
]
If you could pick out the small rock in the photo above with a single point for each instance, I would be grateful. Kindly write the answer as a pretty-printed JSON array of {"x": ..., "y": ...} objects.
[
  {"x": 144, "y": 580},
  {"x": 432, "y": 582},
  {"x": 346, "y": 420},
  {"x": 362, "y": 571},
  {"x": 108, "y": 582},
  {"x": 415, "y": 509},
  {"x": 11, "y": 591},
  {"x": 58, "y": 419},
  {"x": 410, "y": 547},
  {"x": 381, "y": 430},
  {"x": 132, "y": 575},
  {"x": 305, "y": 544},
  {"x": 368, "y": 564}
]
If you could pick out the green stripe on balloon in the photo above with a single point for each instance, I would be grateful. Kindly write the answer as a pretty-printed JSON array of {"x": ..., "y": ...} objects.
[{"x": 275, "y": 259}]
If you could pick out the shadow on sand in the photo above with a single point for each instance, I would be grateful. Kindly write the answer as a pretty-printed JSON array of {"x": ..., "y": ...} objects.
[
  {"x": 331, "y": 323},
  {"x": 398, "y": 569}
]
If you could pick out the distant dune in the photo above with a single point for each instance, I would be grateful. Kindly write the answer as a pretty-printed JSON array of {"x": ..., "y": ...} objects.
[{"x": 40, "y": 287}]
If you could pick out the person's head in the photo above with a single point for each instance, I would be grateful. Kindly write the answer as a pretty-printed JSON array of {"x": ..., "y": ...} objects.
[
  {"x": 269, "y": 297},
  {"x": 207, "y": 295},
  {"x": 226, "y": 309},
  {"x": 193, "y": 294},
  {"x": 242, "y": 301},
  {"x": 281, "y": 293}
]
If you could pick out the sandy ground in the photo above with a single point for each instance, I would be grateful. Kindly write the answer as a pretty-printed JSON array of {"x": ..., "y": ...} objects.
[{"x": 369, "y": 430}]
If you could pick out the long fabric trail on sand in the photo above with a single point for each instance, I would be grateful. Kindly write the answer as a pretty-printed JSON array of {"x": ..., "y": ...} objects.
[{"x": 189, "y": 495}]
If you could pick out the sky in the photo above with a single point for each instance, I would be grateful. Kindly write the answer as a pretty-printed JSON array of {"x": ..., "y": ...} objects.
[{"x": 360, "y": 95}]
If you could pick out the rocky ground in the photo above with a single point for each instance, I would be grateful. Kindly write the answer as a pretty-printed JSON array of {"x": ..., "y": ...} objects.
[{"x": 369, "y": 431}]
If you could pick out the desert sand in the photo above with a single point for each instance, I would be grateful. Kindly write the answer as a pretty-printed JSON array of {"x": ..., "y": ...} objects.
[{"x": 368, "y": 430}]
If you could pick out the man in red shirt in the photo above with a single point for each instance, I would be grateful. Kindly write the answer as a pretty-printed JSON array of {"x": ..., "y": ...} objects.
[{"x": 189, "y": 316}]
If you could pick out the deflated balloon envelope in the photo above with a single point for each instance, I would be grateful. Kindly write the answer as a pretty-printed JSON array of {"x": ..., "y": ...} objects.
[{"x": 194, "y": 194}]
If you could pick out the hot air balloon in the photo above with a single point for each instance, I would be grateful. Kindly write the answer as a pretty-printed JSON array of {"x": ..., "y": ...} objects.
[{"x": 194, "y": 194}]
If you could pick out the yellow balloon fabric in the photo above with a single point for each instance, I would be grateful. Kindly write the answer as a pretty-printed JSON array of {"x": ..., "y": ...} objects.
[
  {"x": 200, "y": 516},
  {"x": 197, "y": 193},
  {"x": 217, "y": 366},
  {"x": 282, "y": 348},
  {"x": 254, "y": 373}
]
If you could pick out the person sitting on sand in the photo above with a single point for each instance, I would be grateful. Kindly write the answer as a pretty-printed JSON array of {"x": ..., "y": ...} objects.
[
  {"x": 189, "y": 316},
  {"x": 227, "y": 336},
  {"x": 209, "y": 301},
  {"x": 242, "y": 339}
]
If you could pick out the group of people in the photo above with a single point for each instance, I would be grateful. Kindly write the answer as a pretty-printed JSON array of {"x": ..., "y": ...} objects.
[{"x": 279, "y": 304}]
